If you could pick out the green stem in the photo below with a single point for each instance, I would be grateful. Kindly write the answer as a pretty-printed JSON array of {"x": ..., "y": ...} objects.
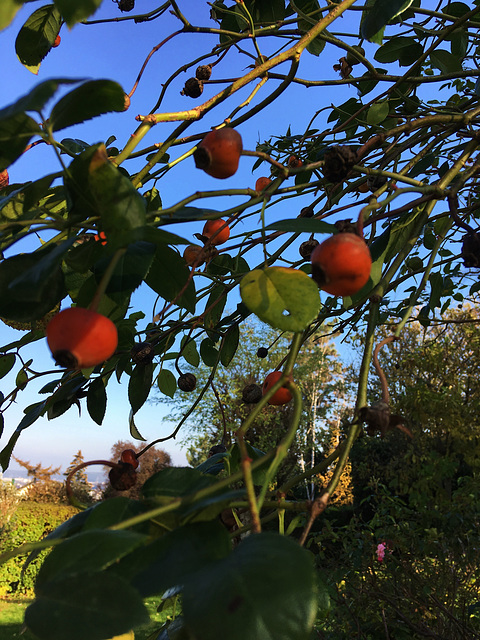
[
  {"x": 284, "y": 446},
  {"x": 248, "y": 479}
]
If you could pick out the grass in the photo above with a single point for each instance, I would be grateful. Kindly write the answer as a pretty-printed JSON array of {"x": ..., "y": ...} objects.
[{"x": 12, "y": 612}]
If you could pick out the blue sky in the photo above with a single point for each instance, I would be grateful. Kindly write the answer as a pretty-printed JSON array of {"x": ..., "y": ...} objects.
[{"x": 117, "y": 51}]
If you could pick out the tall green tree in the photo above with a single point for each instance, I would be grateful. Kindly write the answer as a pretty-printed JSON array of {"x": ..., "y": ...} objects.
[
  {"x": 224, "y": 404},
  {"x": 79, "y": 481}
]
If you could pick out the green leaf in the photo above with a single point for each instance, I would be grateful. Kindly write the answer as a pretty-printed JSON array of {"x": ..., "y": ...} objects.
[
  {"x": 113, "y": 511},
  {"x": 167, "y": 382},
  {"x": 139, "y": 385},
  {"x": 306, "y": 7},
  {"x": 36, "y": 99},
  {"x": 24, "y": 296},
  {"x": 377, "y": 15},
  {"x": 113, "y": 606},
  {"x": 377, "y": 112},
  {"x": 27, "y": 284},
  {"x": 445, "y": 61},
  {"x": 15, "y": 133},
  {"x": 36, "y": 190},
  {"x": 214, "y": 307},
  {"x": 436, "y": 285},
  {"x": 6, "y": 452},
  {"x": 302, "y": 225},
  {"x": 161, "y": 237},
  {"x": 7, "y": 362},
  {"x": 74, "y": 145},
  {"x": 97, "y": 400},
  {"x": 32, "y": 413},
  {"x": 266, "y": 10},
  {"x": 88, "y": 551},
  {"x": 229, "y": 345},
  {"x": 168, "y": 276},
  {"x": 259, "y": 475},
  {"x": 404, "y": 50},
  {"x": 129, "y": 271},
  {"x": 8, "y": 10},
  {"x": 189, "y": 351},
  {"x": 74, "y": 11},
  {"x": 121, "y": 207},
  {"x": 175, "y": 557},
  {"x": 175, "y": 482},
  {"x": 208, "y": 352},
  {"x": 266, "y": 588},
  {"x": 91, "y": 99},
  {"x": 134, "y": 432},
  {"x": 36, "y": 37},
  {"x": 284, "y": 298}
]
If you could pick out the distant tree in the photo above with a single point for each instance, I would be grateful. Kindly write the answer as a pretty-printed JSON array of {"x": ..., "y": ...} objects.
[
  {"x": 150, "y": 462},
  {"x": 433, "y": 385},
  {"x": 222, "y": 408},
  {"x": 79, "y": 481},
  {"x": 42, "y": 487}
]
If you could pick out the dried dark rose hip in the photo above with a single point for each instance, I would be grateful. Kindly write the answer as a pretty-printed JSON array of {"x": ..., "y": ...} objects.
[
  {"x": 262, "y": 352},
  {"x": 306, "y": 248},
  {"x": 307, "y": 212},
  {"x": 193, "y": 88},
  {"x": 142, "y": 353},
  {"x": 126, "y": 5},
  {"x": 339, "y": 160},
  {"x": 122, "y": 476},
  {"x": 203, "y": 72},
  {"x": 252, "y": 393},
  {"x": 187, "y": 382}
]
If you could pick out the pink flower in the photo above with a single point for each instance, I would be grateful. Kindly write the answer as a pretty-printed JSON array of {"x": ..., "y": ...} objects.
[{"x": 381, "y": 551}]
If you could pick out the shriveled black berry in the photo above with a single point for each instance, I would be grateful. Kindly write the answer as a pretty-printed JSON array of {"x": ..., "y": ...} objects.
[
  {"x": 203, "y": 72},
  {"x": 187, "y": 382},
  {"x": 125, "y": 5},
  {"x": 262, "y": 352},
  {"x": 252, "y": 393},
  {"x": 122, "y": 476},
  {"x": 142, "y": 353},
  {"x": 339, "y": 160},
  {"x": 306, "y": 248},
  {"x": 193, "y": 88},
  {"x": 307, "y": 212}
]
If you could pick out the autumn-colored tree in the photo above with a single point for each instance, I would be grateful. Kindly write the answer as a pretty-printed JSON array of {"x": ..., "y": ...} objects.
[
  {"x": 42, "y": 487},
  {"x": 151, "y": 461}
]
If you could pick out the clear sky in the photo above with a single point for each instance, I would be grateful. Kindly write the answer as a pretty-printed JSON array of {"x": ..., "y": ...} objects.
[{"x": 117, "y": 51}]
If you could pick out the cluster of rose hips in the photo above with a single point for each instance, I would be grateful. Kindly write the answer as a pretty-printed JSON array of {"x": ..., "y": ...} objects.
[{"x": 82, "y": 338}]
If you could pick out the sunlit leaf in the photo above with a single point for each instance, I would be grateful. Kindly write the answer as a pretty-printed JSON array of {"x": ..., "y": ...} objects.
[{"x": 284, "y": 298}]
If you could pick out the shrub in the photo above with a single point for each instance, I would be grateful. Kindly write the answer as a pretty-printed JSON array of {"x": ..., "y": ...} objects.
[{"x": 32, "y": 521}]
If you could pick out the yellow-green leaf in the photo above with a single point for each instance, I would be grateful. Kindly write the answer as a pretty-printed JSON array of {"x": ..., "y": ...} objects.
[{"x": 284, "y": 298}]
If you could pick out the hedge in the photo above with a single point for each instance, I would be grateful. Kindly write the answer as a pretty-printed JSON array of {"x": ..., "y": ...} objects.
[{"x": 32, "y": 521}]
